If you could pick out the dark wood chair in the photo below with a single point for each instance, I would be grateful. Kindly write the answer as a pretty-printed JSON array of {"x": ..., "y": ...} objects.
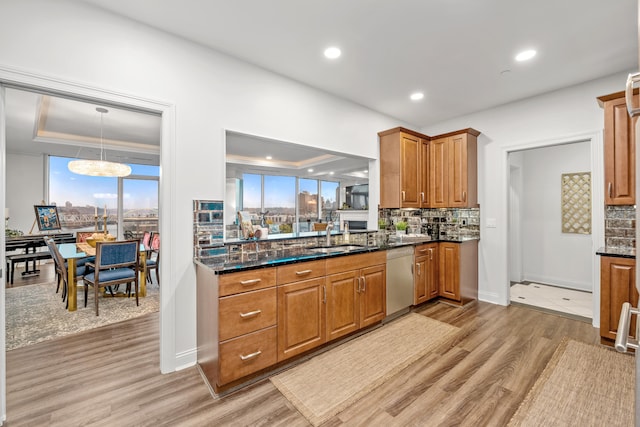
[
  {"x": 116, "y": 263},
  {"x": 62, "y": 275},
  {"x": 153, "y": 258}
]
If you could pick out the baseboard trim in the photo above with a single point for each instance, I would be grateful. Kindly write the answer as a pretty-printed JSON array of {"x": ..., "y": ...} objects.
[{"x": 186, "y": 359}]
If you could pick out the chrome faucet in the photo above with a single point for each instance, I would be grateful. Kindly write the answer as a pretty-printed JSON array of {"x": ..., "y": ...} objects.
[{"x": 329, "y": 228}]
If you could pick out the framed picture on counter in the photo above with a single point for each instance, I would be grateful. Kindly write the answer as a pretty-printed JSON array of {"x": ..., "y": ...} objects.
[{"x": 47, "y": 217}]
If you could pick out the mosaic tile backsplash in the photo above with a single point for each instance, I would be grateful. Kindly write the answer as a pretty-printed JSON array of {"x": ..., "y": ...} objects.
[
  {"x": 447, "y": 223},
  {"x": 620, "y": 227}
]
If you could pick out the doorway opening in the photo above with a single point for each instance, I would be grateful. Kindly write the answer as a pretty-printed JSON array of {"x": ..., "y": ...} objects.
[{"x": 553, "y": 227}]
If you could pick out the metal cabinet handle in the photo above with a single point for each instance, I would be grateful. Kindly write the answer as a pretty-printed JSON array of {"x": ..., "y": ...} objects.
[
  {"x": 464, "y": 196},
  {"x": 610, "y": 188},
  {"x": 430, "y": 254},
  {"x": 423, "y": 250},
  {"x": 364, "y": 284},
  {"x": 250, "y": 282},
  {"x": 303, "y": 272},
  {"x": 250, "y": 314},
  {"x": 403, "y": 196},
  {"x": 250, "y": 356},
  {"x": 623, "y": 340},
  {"x": 633, "y": 78},
  {"x": 422, "y": 196},
  {"x": 324, "y": 294}
]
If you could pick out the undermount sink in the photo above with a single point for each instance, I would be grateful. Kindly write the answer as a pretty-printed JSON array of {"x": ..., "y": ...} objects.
[{"x": 335, "y": 249}]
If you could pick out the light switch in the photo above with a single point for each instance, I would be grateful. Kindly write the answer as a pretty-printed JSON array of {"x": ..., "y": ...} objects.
[{"x": 491, "y": 223}]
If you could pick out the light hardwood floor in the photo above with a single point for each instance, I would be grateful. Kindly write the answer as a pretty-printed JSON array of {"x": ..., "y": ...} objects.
[{"x": 110, "y": 377}]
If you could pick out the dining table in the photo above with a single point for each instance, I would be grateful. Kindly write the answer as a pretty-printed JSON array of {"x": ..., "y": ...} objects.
[{"x": 72, "y": 252}]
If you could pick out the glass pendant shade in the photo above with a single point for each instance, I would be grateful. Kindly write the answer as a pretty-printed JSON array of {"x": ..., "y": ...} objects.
[{"x": 99, "y": 167}]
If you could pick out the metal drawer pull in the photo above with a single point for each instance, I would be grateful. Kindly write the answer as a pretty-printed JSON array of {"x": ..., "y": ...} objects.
[
  {"x": 250, "y": 282},
  {"x": 610, "y": 187},
  {"x": 422, "y": 195},
  {"x": 423, "y": 250},
  {"x": 250, "y": 314},
  {"x": 464, "y": 196},
  {"x": 403, "y": 196},
  {"x": 359, "y": 288},
  {"x": 303, "y": 272},
  {"x": 633, "y": 78},
  {"x": 623, "y": 340},
  {"x": 251, "y": 356},
  {"x": 364, "y": 284}
]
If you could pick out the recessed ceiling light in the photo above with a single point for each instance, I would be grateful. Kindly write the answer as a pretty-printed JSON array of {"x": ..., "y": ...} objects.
[
  {"x": 416, "y": 96},
  {"x": 525, "y": 55},
  {"x": 331, "y": 173},
  {"x": 268, "y": 157},
  {"x": 365, "y": 171},
  {"x": 332, "y": 52},
  {"x": 309, "y": 170}
]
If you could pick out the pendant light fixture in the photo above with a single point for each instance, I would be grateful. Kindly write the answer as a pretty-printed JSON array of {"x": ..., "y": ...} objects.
[{"x": 99, "y": 167}]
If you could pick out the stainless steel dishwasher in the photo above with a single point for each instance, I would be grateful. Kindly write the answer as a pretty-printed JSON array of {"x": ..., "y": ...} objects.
[{"x": 399, "y": 280}]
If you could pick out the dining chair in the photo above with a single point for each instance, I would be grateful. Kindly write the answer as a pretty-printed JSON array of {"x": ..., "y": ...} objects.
[
  {"x": 116, "y": 262},
  {"x": 153, "y": 258},
  {"x": 146, "y": 240},
  {"x": 61, "y": 268}
]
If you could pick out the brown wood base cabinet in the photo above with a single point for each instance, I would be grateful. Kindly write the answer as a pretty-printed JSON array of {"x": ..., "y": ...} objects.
[
  {"x": 617, "y": 286},
  {"x": 250, "y": 321},
  {"x": 425, "y": 273},
  {"x": 356, "y": 293},
  {"x": 447, "y": 270}
]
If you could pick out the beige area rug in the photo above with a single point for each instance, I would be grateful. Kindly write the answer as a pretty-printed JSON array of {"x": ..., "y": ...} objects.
[
  {"x": 35, "y": 313},
  {"x": 582, "y": 385},
  {"x": 328, "y": 383}
]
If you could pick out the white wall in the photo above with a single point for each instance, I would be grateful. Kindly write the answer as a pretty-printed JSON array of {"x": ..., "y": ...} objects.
[
  {"x": 549, "y": 255},
  {"x": 25, "y": 178},
  {"x": 211, "y": 93},
  {"x": 531, "y": 122}
]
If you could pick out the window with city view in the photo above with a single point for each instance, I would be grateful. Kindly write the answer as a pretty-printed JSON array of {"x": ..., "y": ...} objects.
[
  {"x": 273, "y": 202},
  {"x": 81, "y": 198}
]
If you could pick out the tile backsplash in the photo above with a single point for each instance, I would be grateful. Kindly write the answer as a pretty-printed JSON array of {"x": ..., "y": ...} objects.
[
  {"x": 620, "y": 227},
  {"x": 445, "y": 223}
]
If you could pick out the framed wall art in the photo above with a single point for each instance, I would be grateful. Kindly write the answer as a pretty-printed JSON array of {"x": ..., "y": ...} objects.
[{"x": 47, "y": 217}]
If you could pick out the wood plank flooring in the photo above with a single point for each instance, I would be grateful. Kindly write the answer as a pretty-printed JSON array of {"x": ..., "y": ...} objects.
[{"x": 110, "y": 377}]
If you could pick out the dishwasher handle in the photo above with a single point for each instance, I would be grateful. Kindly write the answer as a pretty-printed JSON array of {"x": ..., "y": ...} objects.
[{"x": 623, "y": 340}]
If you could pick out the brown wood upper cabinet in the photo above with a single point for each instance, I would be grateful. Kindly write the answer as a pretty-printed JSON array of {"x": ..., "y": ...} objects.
[
  {"x": 619, "y": 150},
  {"x": 404, "y": 177},
  {"x": 453, "y": 170}
]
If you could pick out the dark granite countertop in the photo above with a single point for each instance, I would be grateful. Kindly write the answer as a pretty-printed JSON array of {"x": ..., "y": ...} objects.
[
  {"x": 296, "y": 255},
  {"x": 617, "y": 252}
]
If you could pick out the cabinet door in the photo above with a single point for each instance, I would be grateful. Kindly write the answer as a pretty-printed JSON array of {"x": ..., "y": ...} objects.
[
  {"x": 617, "y": 285},
  {"x": 619, "y": 153},
  {"x": 410, "y": 149},
  {"x": 343, "y": 315},
  {"x": 420, "y": 275},
  {"x": 438, "y": 173},
  {"x": 424, "y": 175},
  {"x": 432, "y": 271},
  {"x": 373, "y": 294},
  {"x": 301, "y": 317},
  {"x": 449, "y": 271},
  {"x": 457, "y": 171}
]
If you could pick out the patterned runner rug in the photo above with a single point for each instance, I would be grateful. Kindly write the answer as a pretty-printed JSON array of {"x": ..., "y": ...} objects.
[
  {"x": 582, "y": 385},
  {"x": 328, "y": 383}
]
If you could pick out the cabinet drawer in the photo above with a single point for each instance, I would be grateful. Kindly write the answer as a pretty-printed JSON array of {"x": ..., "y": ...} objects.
[
  {"x": 247, "y": 354},
  {"x": 300, "y": 271},
  {"x": 244, "y": 281},
  {"x": 247, "y": 312},
  {"x": 355, "y": 262}
]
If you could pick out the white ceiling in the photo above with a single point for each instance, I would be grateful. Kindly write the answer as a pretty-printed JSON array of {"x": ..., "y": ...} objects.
[
  {"x": 455, "y": 51},
  {"x": 460, "y": 53}
]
